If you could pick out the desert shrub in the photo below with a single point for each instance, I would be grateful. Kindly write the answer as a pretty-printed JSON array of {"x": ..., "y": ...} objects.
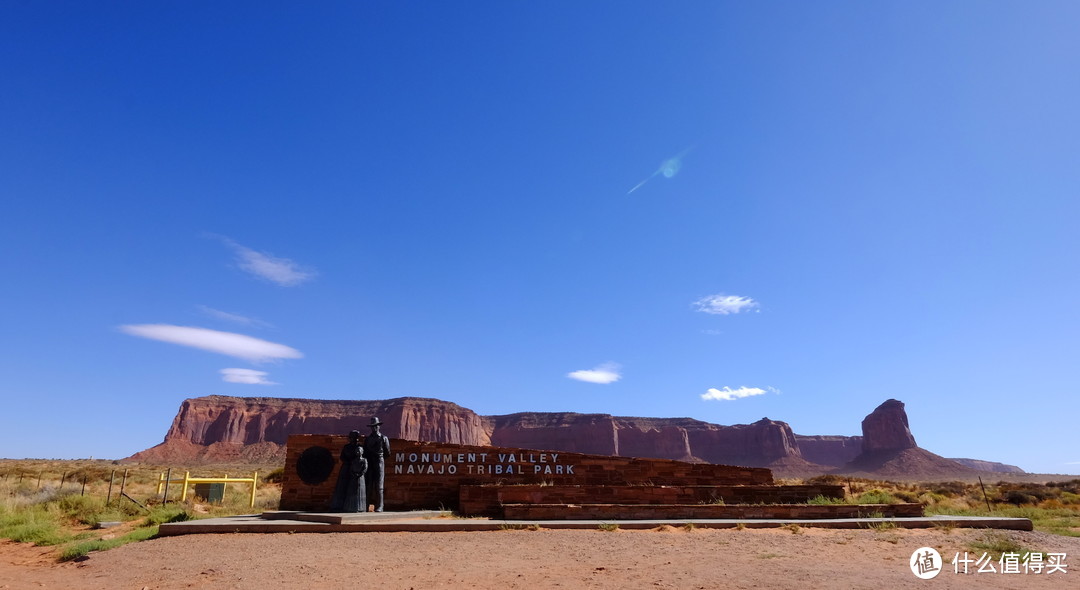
[
  {"x": 824, "y": 500},
  {"x": 169, "y": 513},
  {"x": 34, "y": 524},
  {"x": 1070, "y": 498},
  {"x": 79, "y": 549},
  {"x": 877, "y": 496},
  {"x": 1018, "y": 498},
  {"x": 275, "y": 476},
  {"x": 931, "y": 498},
  {"x": 950, "y": 489},
  {"x": 83, "y": 509},
  {"x": 832, "y": 480},
  {"x": 881, "y": 525},
  {"x": 906, "y": 496}
]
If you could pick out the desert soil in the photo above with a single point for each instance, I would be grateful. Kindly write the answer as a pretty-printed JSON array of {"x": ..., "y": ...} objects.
[{"x": 660, "y": 558}]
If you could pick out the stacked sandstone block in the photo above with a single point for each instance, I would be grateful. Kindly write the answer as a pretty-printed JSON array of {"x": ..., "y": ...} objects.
[
  {"x": 706, "y": 511},
  {"x": 488, "y": 500},
  {"x": 423, "y": 475}
]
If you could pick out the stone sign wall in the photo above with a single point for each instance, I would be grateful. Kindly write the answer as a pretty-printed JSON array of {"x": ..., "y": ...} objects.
[{"x": 424, "y": 475}]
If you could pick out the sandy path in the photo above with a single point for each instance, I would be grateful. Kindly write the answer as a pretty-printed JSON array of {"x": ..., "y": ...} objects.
[{"x": 670, "y": 558}]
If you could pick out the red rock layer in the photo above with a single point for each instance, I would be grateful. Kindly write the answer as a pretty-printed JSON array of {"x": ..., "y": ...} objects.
[
  {"x": 886, "y": 428},
  {"x": 219, "y": 427},
  {"x": 224, "y": 429},
  {"x": 990, "y": 466},
  {"x": 834, "y": 451}
]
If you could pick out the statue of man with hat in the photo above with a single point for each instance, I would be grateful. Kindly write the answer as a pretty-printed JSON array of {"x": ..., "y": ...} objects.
[{"x": 376, "y": 447}]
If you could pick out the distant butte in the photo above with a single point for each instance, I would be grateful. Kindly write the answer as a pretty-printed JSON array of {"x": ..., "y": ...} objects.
[{"x": 254, "y": 429}]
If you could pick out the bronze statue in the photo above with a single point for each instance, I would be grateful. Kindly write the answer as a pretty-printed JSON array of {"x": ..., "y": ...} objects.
[
  {"x": 376, "y": 447},
  {"x": 349, "y": 493}
]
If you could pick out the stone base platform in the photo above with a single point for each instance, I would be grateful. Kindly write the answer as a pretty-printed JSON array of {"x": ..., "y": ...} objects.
[
  {"x": 350, "y": 517},
  {"x": 435, "y": 521},
  {"x": 494, "y": 500},
  {"x": 706, "y": 511}
]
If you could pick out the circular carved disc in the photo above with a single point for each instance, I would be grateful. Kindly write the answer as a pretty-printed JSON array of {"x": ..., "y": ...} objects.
[{"x": 315, "y": 465}]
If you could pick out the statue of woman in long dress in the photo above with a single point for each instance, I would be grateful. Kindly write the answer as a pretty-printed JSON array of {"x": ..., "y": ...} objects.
[{"x": 350, "y": 494}]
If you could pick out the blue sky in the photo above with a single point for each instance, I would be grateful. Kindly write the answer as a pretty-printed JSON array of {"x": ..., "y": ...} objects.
[{"x": 845, "y": 203}]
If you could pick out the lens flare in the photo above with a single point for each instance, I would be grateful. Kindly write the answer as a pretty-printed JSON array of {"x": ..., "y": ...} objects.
[{"x": 669, "y": 168}]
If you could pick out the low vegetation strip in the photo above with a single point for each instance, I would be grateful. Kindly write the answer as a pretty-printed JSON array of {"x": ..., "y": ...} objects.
[
  {"x": 70, "y": 505},
  {"x": 1052, "y": 507},
  {"x": 62, "y": 503}
]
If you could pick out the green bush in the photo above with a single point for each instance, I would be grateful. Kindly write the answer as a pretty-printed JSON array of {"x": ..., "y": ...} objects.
[
  {"x": 79, "y": 549},
  {"x": 825, "y": 500},
  {"x": 826, "y": 480},
  {"x": 38, "y": 533},
  {"x": 931, "y": 498},
  {"x": 34, "y": 524},
  {"x": 904, "y": 496},
  {"x": 949, "y": 489},
  {"x": 84, "y": 509},
  {"x": 275, "y": 476},
  {"x": 1017, "y": 498},
  {"x": 876, "y": 496},
  {"x": 169, "y": 513}
]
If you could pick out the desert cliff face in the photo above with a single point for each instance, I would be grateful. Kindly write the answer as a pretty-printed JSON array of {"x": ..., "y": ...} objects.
[
  {"x": 556, "y": 431},
  {"x": 886, "y": 428},
  {"x": 991, "y": 466},
  {"x": 232, "y": 428},
  {"x": 662, "y": 442},
  {"x": 242, "y": 420},
  {"x": 833, "y": 451},
  {"x": 237, "y": 428},
  {"x": 759, "y": 444},
  {"x": 227, "y": 429},
  {"x": 889, "y": 449}
]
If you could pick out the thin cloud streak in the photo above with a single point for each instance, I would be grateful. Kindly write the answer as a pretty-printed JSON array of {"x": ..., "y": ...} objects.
[
  {"x": 264, "y": 265},
  {"x": 247, "y": 376},
  {"x": 228, "y": 343},
  {"x": 232, "y": 317},
  {"x": 721, "y": 304},
  {"x": 603, "y": 374},
  {"x": 728, "y": 394}
]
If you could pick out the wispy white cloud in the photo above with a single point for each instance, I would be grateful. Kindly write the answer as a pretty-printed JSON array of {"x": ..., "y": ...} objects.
[
  {"x": 712, "y": 332},
  {"x": 232, "y": 317},
  {"x": 266, "y": 266},
  {"x": 728, "y": 394},
  {"x": 603, "y": 374},
  {"x": 249, "y": 376},
  {"x": 227, "y": 343},
  {"x": 721, "y": 304}
]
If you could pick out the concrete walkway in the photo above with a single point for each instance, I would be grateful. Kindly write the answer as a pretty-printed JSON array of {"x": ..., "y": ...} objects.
[{"x": 436, "y": 521}]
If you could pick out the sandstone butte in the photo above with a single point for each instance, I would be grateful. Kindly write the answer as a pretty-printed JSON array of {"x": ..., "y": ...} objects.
[{"x": 252, "y": 429}]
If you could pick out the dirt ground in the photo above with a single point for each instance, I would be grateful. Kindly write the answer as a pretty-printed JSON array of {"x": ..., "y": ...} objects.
[{"x": 659, "y": 558}]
